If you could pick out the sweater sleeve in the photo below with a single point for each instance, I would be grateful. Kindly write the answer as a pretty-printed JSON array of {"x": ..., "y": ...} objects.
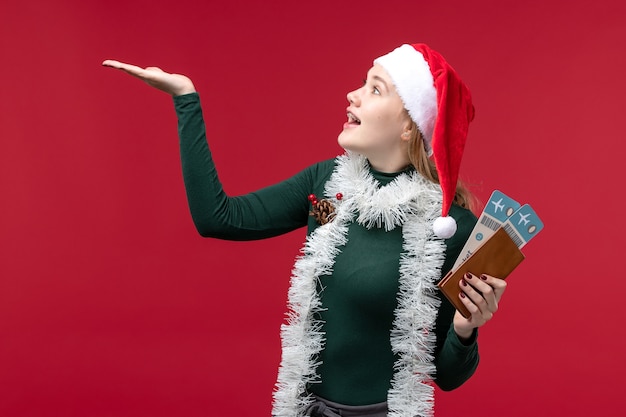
[
  {"x": 455, "y": 361},
  {"x": 268, "y": 212}
]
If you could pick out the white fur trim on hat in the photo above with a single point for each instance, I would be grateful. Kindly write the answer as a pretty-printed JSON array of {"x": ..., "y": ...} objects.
[{"x": 414, "y": 82}]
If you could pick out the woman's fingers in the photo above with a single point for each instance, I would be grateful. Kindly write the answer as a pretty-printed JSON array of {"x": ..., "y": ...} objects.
[
  {"x": 498, "y": 285},
  {"x": 482, "y": 294},
  {"x": 131, "y": 69},
  {"x": 145, "y": 74},
  {"x": 112, "y": 63}
]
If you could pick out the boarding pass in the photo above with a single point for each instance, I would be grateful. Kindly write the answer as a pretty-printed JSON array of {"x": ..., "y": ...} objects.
[{"x": 520, "y": 222}]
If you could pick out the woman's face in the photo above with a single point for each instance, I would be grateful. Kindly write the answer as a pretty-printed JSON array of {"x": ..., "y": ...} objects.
[{"x": 376, "y": 121}]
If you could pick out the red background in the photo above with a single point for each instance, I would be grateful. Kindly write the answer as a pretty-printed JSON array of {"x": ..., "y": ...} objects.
[{"x": 112, "y": 305}]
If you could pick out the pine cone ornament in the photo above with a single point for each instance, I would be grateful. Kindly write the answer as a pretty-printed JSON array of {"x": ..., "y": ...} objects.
[{"x": 323, "y": 210}]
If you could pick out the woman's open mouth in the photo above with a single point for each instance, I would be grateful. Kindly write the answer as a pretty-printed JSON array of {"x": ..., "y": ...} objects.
[{"x": 353, "y": 121}]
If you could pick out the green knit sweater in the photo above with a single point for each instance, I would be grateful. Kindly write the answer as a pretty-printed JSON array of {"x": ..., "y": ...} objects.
[{"x": 360, "y": 296}]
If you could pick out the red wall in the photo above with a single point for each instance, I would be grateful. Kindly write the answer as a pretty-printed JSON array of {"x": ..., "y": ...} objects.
[{"x": 112, "y": 305}]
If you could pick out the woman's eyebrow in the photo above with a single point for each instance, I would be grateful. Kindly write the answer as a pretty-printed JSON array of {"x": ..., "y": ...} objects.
[{"x": 382, "y": 80}]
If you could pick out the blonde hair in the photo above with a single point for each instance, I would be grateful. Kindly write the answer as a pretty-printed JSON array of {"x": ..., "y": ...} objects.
[{"x": 426, "y": 167}]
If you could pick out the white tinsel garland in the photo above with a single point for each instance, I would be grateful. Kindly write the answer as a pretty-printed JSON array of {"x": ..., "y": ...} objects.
[{"x": 409, "y": 201}]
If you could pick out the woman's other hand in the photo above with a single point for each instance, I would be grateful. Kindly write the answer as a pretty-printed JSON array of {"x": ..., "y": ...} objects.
[
  {"x": 174, "y": 84},
  {"x": 481, "y": 296}
]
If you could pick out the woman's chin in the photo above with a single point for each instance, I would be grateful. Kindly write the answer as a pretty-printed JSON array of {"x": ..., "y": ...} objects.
[{"x": 345, "y": 142}]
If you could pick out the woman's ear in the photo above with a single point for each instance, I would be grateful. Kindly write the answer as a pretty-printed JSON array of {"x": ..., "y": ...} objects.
[{"x": 407, "y": 127}]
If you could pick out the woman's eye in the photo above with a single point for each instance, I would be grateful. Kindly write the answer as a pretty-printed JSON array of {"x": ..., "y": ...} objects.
[{"x": 375, "y": 90}]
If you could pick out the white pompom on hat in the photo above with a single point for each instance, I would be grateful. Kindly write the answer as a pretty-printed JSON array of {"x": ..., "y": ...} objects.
[{"x": 441, "y": 106}]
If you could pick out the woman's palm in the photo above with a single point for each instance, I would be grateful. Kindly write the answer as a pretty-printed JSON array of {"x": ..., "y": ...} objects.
[{"x": 174, "y": 84}]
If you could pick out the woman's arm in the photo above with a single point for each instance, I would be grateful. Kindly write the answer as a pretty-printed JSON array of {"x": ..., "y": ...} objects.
[
  {"x": 265, "y": 213},
  {"x": 457, "y": 356},
  {"x": 456, "y": 359}
]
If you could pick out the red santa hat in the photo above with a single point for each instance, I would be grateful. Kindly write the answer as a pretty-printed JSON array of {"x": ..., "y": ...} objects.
[{"x": 441, "y": 106}]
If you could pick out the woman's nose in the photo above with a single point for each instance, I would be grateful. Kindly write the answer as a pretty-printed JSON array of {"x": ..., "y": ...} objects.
[{"x": 353, "y": 97}]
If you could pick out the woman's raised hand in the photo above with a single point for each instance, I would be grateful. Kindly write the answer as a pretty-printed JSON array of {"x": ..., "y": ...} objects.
[{"x": 174, "y": 84}]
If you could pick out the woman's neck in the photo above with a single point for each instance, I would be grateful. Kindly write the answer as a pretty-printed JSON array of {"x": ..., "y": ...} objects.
[{"x": 389, "y": 166}]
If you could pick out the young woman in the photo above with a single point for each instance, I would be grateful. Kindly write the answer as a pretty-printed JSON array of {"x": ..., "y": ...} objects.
[{"x": 367, "y": 329}]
